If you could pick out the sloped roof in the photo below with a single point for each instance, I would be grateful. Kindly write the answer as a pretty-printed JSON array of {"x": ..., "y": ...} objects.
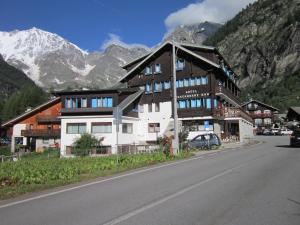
[
  {"x": 131, "y": 98},
  {"x": 266, "y": 105},
  {"x": 177, "y": 45},
  {"x": 34, "y": 110},
  {"x": 295, "y": 109}
]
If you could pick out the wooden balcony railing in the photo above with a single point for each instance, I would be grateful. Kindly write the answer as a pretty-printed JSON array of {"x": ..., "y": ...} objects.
[
  {"x": 48, "y": 119},
  {"x": 232, "y": 112},
  {"x": 46, "y": 133},
  {"x": 228, "y": 95}
]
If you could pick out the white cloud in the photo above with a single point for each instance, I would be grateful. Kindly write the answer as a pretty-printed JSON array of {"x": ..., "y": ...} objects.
[
  {"x": 218, "y": 11},
  {"x": 115, "y": 39}
]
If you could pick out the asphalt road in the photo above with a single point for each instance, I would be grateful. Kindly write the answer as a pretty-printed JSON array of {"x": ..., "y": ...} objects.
[{"x": 255, "y": 185}]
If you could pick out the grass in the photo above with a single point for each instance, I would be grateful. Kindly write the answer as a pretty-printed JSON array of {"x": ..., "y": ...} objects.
[{"x": 37, "y": 172}]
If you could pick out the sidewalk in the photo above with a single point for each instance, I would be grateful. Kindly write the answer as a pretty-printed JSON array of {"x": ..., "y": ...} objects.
[{"x": 229, "y": 145}]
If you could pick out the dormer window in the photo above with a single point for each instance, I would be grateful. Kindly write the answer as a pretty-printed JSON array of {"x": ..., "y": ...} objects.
[
  {"x": 148, "y": 70},
  {"x": 179, "y": 64},
  {"x": 157, "y": 68}
]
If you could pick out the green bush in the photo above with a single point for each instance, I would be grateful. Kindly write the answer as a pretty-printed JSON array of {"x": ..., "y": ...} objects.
[{"x": 84, "y": 144}]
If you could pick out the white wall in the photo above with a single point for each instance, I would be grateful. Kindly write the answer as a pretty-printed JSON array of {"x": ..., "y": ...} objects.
[
  {"x": 163, "y": 117},
  {"x": 110, "y": 139},
  {"x": 17, "y": 133},
  {"x": 245, "y": 129}
]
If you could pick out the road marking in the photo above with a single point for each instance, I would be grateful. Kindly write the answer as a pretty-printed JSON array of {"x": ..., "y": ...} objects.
[
  {"x": 97, "y": 182},
  {"x": 176, "y": 194}
]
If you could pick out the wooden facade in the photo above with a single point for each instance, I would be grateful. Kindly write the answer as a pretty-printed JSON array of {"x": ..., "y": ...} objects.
[{"x": 263, "y": 115}]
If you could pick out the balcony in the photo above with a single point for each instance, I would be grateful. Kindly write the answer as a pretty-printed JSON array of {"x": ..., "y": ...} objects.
[
  {"x": 227, "y": 95},
  {"x": 87, "y": 110},
  {"x": 261, "y": 115},
  {"x": 231, "y": 112},
  {"x": 45, "y": 133},
  {"x": 48, "y": 119}
]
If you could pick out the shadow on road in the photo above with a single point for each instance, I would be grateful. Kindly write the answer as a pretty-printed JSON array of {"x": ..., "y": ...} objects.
[{"x": 285, "y": 146}]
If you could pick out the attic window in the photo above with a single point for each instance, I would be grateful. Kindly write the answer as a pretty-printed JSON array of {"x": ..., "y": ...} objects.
[
  {"x": 180, "y": 64},
  {"x": 148, "y": 70}
]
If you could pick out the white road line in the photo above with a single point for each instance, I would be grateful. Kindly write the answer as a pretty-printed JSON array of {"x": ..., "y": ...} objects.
[
  {"x": 176, "y": 194},
  {"x": 97, "y": 182}
]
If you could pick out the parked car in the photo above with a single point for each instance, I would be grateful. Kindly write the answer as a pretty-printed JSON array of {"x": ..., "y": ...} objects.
[
  {"x": 295, "y": 138},
  {"x": 285, "y": 132},
  {"x": 275, "y": 131},
  {"x": 204, "y": 141},
  {"x": 267, "y": 132}
]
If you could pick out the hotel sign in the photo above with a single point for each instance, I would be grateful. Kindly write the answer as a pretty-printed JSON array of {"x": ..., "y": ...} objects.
[{"x": 192, "y": 94}]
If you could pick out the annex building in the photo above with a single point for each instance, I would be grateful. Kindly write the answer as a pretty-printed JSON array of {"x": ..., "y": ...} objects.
[{"x": 207, "y": 100}]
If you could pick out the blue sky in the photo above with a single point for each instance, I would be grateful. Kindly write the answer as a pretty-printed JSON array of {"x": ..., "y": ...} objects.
[{"x": 92, "y": 23}]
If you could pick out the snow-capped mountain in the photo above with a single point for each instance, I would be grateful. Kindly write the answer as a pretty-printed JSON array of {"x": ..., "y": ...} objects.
[{"x": 52, "y": 61}]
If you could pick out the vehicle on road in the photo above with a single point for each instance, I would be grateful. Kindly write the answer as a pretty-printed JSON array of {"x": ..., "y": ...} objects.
[
  {"x": 275, "y": 131},
  {"x": 267, "y": 132},
  {"x": 285, "y": 132},
  {"x": 204, "y": 141},
  {"x": 295, "y": 138}
]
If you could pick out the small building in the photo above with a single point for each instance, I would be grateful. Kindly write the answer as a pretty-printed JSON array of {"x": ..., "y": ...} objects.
[
  {"x": 36, "y": 128},
  {"x": 293, "y": 114},
  {"x": 263, "y": 115},
  {"x": 207, "y": 100}
]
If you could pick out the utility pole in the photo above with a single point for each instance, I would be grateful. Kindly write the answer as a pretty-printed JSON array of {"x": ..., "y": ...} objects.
[{"x": 175, "y": 143}]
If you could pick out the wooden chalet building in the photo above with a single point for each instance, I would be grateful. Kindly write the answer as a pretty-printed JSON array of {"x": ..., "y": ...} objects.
[
  {"x": 37, "y": 128},
  {"x": 263, "y": 115},
  {"x": 293, "y": 114},
  {"x": 207, "y": 100}
]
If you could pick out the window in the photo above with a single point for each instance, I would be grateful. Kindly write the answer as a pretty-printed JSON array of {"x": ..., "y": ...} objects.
[
  {"x": 157, "y": 68},
  {"x": 76, "y": 128},
  {"x": 148, "y": 70},
  {"x": 267, "y": 112},
  {"x": 198, "y": 80},
  {"x": 208, "y": 103},
  {"x": 167, "y": 85},
  {"x": 101, "y": 127},
  {"x": 186, "y": 82},
  {"x": 267, "y": 121},
  {"x": 180, "y": 83},
  {"x": 204, "y": 80},
  {"x": 157, "y": 107},
  {"x": 94, "y": 102},
  {"x": 258, "y": 121},
  {"x": 193, "y": 103},
  {"x": 102, "y": 102},
  {"x": 68, "y": 103},
  {"x": 157, "y": 87},
  {"x": 148, "y": 88},
  {"x": 182, "y": 104},
  {"x": 150, "y": 107},
  {"x": 215, "y": 103},
  {"x": 127, "y": 128},
  {"x": 179, "y": 64},
  {"x": 153, "y": 127},
  {"x": 83, "y": 103},
  {"x": 192, "y": 81}
]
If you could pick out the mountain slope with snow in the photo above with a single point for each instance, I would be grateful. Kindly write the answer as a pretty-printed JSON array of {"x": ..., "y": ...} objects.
[{"x": 52, "y": 61}]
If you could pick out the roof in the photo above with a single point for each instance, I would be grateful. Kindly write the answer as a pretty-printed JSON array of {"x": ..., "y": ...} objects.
[
  {"x": 266, "y": 105},
  {"x": 34, "y": 110},
  {"x": 127, "y": 101},
  {"x": 177, "y": 45},
  {"x": 295, "y": 109}
]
